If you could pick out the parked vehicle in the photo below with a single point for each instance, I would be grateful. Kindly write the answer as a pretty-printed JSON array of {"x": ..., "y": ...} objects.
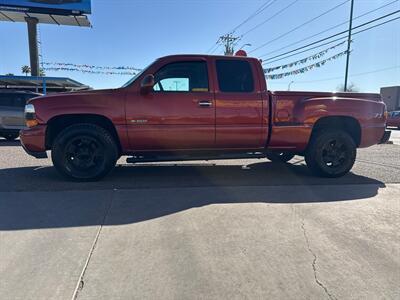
[
  {"x": 12, "y": 105},
  {"x": 394, "y": 119},
  {"x": 195, "y": 107}
]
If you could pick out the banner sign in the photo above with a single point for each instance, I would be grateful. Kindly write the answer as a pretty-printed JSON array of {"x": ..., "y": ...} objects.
[
  {"x": 54, "y": 7},
  {"x": 305, "y": 69},
  {"x": 304, "y": 60}
]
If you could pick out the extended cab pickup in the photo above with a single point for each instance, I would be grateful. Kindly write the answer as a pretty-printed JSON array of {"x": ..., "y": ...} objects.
[{"x": 196, "y": 107}]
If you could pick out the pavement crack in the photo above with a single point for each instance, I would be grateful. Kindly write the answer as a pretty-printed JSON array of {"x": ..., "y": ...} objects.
[
  {"x": 314, "y": 264},
  {"x": 81, "y": 282}
]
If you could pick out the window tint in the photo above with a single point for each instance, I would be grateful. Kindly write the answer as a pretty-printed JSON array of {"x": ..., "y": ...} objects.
[
  {"x": 234, "y": 76},
  {"x": 15, "y": 100},
  {"x": 182, "y": 77},
  {"x": 19, "y": 100},
  {"x": 5, "y": 100}
]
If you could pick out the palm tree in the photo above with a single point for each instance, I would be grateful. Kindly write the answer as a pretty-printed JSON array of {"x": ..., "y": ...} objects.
[{"x": 26, "y": 70}]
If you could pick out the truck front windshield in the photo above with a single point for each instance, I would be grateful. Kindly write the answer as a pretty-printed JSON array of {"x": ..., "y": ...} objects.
[{"x": 136, "y": 76}]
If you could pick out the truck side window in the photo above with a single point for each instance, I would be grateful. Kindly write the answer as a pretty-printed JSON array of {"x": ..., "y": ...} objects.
[
  {"x": 234, "y": 76},
  {"x": 182, "y": 77}
]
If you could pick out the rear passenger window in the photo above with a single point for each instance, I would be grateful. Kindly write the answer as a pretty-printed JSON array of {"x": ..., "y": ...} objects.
[{"x": 234, "y": 76}]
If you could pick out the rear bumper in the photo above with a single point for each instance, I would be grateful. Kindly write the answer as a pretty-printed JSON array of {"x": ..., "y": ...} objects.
[
  {"x": 385, "y": 138},
  {"x": 33, "y": 141},
  {"x": 371, "y": 135}
]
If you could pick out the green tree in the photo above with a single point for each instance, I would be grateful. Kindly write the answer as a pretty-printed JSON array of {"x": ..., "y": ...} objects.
[
  {"x": 26, "y": 70},
  {"x": 42, "y": 72}
]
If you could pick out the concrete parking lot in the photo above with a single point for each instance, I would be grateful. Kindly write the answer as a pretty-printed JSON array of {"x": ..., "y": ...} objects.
[{"x": 206, "y": 230}]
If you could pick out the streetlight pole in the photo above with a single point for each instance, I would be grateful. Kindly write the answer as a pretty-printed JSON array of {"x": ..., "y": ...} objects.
[
  {"x": 348, "y": 46},
  {"x": 290, "y": 83}
]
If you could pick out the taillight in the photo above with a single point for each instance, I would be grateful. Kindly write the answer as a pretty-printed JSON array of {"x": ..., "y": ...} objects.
[
  {"x": 385, "y": 114},
  {"x": 30, "y": 115}
]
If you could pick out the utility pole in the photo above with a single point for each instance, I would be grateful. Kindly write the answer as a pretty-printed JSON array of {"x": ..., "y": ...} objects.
[
  {"x": 228, "y": 41},
  {"x": 348, "y": 46}
]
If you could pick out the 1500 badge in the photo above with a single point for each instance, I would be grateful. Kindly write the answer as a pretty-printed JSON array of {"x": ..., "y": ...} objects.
[{"x": 139, "y": 121}]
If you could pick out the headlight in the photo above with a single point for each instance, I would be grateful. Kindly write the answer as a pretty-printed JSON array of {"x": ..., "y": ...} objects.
[{"x": 30, "y": 115}]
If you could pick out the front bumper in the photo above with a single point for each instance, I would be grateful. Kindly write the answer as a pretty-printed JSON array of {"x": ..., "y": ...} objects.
[
  {"x": 385, "y": 137},
  {"x": 33, "y": 141}
]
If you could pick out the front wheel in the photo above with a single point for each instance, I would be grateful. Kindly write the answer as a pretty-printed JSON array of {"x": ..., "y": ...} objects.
[
  {"x": 331, "y": 153},
  {"x": 84, "y": 152},
  {"x": 282, "y": 157}
]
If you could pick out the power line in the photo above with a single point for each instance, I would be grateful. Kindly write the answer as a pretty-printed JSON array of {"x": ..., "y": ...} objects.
[
  {"x": 301, "y": 25},
  {"x": 270, "y": 18},
  {"x": 294, "y": 54},
  {"x": 330, "y": 28},
  {"x": 264, "y": 6},
  {"x": 304, "y": 60},
  {"x": 256, "y": 13},
  {"x": 351, "y": 75},
  {"x": 228, "y": 41},
  {"x": 336, "y": 34}
]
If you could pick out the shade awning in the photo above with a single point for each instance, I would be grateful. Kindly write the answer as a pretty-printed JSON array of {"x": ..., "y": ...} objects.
[
  {"x": 71, "y": 20},
  {"x": 29, "y": 82}
]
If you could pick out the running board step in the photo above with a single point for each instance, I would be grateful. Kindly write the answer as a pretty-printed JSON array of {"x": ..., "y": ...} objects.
[{"x": 160, "y": 158}]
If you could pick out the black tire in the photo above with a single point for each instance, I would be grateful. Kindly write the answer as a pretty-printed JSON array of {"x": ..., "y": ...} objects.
[
  {"x": 280, "y": 157},
  {"x": 331, "y": 153},
  {"x": 11, "y": 136},
  {"x": 84, "y": 152}
]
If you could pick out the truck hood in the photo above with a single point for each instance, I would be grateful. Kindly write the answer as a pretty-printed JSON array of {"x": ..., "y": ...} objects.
[{"x": 76, "y": 94}]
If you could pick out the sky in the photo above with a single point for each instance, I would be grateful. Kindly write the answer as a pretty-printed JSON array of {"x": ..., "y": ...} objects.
[{"x": 134, "y": 33}]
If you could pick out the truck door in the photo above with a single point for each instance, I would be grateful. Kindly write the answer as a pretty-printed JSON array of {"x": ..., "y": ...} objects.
[
  {"x": 179, "y": 113},
  {"x": 239, "y": 105}
]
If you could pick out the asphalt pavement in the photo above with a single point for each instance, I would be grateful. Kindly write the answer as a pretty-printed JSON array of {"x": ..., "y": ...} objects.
[{"x": 240, "y": 229}]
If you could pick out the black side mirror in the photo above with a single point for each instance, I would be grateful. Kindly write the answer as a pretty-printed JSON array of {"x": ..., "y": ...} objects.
[{"x": 147, "y": 84}]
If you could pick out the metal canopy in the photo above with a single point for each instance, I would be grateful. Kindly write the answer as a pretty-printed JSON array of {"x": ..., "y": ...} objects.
[
  {"x": 32, "y": 82},
  {"x": 71, "y": 20}
]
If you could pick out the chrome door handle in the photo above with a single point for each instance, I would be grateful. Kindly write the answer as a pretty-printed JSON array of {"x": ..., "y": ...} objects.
[{"x": 205, "y": 103}]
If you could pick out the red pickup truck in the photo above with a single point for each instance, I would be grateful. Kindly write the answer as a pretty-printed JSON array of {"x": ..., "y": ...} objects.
[{"x": 200, "y": 107}]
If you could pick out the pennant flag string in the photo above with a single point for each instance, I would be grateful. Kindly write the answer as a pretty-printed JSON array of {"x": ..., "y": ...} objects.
[
  {"x": 85, "y": 66},
  {"x": 303, "y": 60},
  {"x": 307, "y": 68},
  {"x": 90, "y": 71}
]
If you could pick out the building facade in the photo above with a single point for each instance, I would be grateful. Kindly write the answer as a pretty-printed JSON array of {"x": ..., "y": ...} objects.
[{"x": 391, "y": 96}]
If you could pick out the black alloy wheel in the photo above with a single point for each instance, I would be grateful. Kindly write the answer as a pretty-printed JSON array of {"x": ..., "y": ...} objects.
[
  {"x": 331, "y": 153},
  {"x": 84, "y": 152}
]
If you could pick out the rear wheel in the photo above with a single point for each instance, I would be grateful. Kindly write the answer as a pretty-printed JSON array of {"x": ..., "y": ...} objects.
[
  {"x": 84, "y": 152},
  {"x": 331, "y": 153},
  {"x": 282, "y": 157}
]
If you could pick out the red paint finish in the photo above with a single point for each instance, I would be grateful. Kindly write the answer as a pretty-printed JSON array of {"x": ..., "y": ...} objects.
[
  {"x": 34, "y": 138},
  {"x": 174, "y": 121}
]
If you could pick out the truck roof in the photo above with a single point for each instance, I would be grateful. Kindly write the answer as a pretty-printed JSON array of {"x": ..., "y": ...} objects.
[{"x": 206, "y": 55}]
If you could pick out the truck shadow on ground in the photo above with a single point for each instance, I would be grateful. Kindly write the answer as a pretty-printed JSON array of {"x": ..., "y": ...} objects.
[
  {"x": 139, "y": 193},
  {"x": 4, "y": 143}
]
